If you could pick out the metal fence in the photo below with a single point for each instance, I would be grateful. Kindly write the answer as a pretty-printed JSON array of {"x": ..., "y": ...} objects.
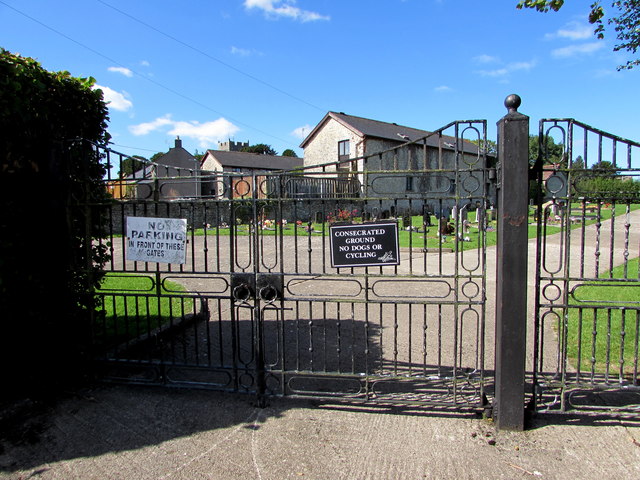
[
  {"x": 257, "y": 306},
  {"x": 254, "y": 294},
  {"x": 587, "y": 298}
]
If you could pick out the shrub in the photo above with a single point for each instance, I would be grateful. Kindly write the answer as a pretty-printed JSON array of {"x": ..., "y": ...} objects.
[
  {"x": 46, "y": 261},
  {"x": 342, "y": 215}
]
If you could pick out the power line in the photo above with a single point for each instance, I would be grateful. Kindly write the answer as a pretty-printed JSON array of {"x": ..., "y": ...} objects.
[
  {"x": 133, "y": 148},
  {"x": 169, "y": 89},
  {"x": 211, "y": 57}
]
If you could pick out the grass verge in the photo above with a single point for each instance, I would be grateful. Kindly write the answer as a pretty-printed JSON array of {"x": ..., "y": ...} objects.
[
  {"x": 134, "y": 305},
  {"x": 604, "y": 322}
]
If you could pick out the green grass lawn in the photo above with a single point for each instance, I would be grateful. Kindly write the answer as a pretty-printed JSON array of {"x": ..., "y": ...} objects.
[
  {"x": 604, "y": 321},
  {"x": 129, "y": 306},
  {"x": 414, "y": 238},
  {"x": 418, "y": 239}
]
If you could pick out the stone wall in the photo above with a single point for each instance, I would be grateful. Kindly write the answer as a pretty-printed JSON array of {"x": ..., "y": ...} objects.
[{"x": 324, "y": 147}]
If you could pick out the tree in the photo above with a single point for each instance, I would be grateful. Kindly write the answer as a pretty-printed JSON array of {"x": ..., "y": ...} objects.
[
  {"x": 198, "y": 156},
  {"x": 602, "y": 180},
  {"x": 487, "y": 146},
  {"x": 156, "y": 156},
  {"x": 578, "y": 163},
  {"x": 289, "y": 153},
  {"x": 625, "y": 20},
  {"x": 131, "y": 164},
  {"x": 552, "y": 152},
  {"x": 604, "y": 168},
  {"x": 260, "y": 148}
]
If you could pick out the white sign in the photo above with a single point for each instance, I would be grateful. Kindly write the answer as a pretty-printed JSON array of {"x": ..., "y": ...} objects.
[
  {"x": 160, "y": 240},
  {"x": 364, "y": 244}
]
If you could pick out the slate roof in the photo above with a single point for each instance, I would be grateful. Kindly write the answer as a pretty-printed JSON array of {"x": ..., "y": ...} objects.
[
  {"x": 366, "y": 127},
  {"x": 255, "y": 161},
  {"x": 177, "y": 161},
  {"x": 375, "y": 128},
  {"x": 178, "y": 158}
]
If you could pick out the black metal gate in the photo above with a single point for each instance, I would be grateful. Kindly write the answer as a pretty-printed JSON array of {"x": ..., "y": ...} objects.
[
  {"x": 587, "y": 295},
  {"x": 257, "y": 306}
]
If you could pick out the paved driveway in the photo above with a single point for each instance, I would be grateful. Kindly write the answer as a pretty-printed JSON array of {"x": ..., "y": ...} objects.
[{"x": 128, "y": 432}]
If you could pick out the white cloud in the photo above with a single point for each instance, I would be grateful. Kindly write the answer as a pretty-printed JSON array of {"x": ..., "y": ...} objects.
[
  {"x": 521, "y": 66},
  {"x": 145, "y": 63},
  {"x": 486, "y": 59},
  {"x": 148, "y": 127},
  {"x": 575, "y": 31},
  {"x": 443, "y": 88},
  {"x": 508, "y": 69},
  {"x": 205, "y": 134},
  {"x": 499, "y": 72},
  {"x": 572, "y": 31},
  {"x": 302, "y": 132},
  {"x": 606, "y": 72},
  {"x": 575, "y": 50},
  {"x": 244, "y": 52},
  {"x": 124, "y": 71},
  {"x": 115, "y": 100},
  {"x": 284, "y": 8}
]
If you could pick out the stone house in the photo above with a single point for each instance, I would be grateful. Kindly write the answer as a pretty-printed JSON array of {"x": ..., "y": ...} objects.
[
  {"x": 398, "y": 166},
  {"x": 226, "y": 172}
]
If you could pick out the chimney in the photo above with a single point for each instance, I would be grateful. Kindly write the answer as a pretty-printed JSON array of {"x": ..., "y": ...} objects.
[{"x": 178, "y": 142}]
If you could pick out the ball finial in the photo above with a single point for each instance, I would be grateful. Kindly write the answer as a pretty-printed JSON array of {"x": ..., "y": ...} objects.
[{"x": 512, "y": 102}]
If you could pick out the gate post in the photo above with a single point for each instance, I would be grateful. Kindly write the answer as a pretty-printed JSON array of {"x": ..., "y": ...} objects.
[{"x": 511, "y": 271}]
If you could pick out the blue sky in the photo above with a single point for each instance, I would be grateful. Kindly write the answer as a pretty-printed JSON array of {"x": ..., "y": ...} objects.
[{"x": 267, "y": 71}]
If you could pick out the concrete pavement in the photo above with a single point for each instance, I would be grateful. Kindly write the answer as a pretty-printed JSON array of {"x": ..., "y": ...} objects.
[{"x": 128, "y": 432}]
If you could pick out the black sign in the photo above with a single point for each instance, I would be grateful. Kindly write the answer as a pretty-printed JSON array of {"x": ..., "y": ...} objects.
[{"x": 364, "y": 245}]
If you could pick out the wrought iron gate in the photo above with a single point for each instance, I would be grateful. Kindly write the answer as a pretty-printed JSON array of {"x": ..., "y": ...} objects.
[
  {"x": 587, "y": 295},
  {"x": 258, "y": 308}
]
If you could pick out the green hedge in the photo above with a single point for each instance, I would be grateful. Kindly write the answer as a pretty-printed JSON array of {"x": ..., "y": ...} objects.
[{"x": 45, "y": 261}]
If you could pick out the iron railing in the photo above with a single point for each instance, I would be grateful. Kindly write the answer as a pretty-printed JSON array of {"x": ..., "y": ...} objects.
[
  {"x": 263, "y": 311},
  {"x": 587, "y": 307}
]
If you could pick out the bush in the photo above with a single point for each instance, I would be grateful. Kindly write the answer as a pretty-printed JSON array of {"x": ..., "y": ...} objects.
[
  {"x": 600, "y": 186},
  {"x": 45, "y": 259}
]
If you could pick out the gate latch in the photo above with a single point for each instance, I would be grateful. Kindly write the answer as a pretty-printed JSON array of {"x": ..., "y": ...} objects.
[
  {"x": 243, "y": 286},
  {"x": 268, "y": 287}
]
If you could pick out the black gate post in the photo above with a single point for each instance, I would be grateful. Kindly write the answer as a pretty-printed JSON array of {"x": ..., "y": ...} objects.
[{"x": 511, "y": 272}]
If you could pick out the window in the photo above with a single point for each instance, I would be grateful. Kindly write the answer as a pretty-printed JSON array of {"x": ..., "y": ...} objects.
[
  {"x": 409, "y": 183},
  {"x": 343, "y": 157},
  {"x": 343, "y": 150}
]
